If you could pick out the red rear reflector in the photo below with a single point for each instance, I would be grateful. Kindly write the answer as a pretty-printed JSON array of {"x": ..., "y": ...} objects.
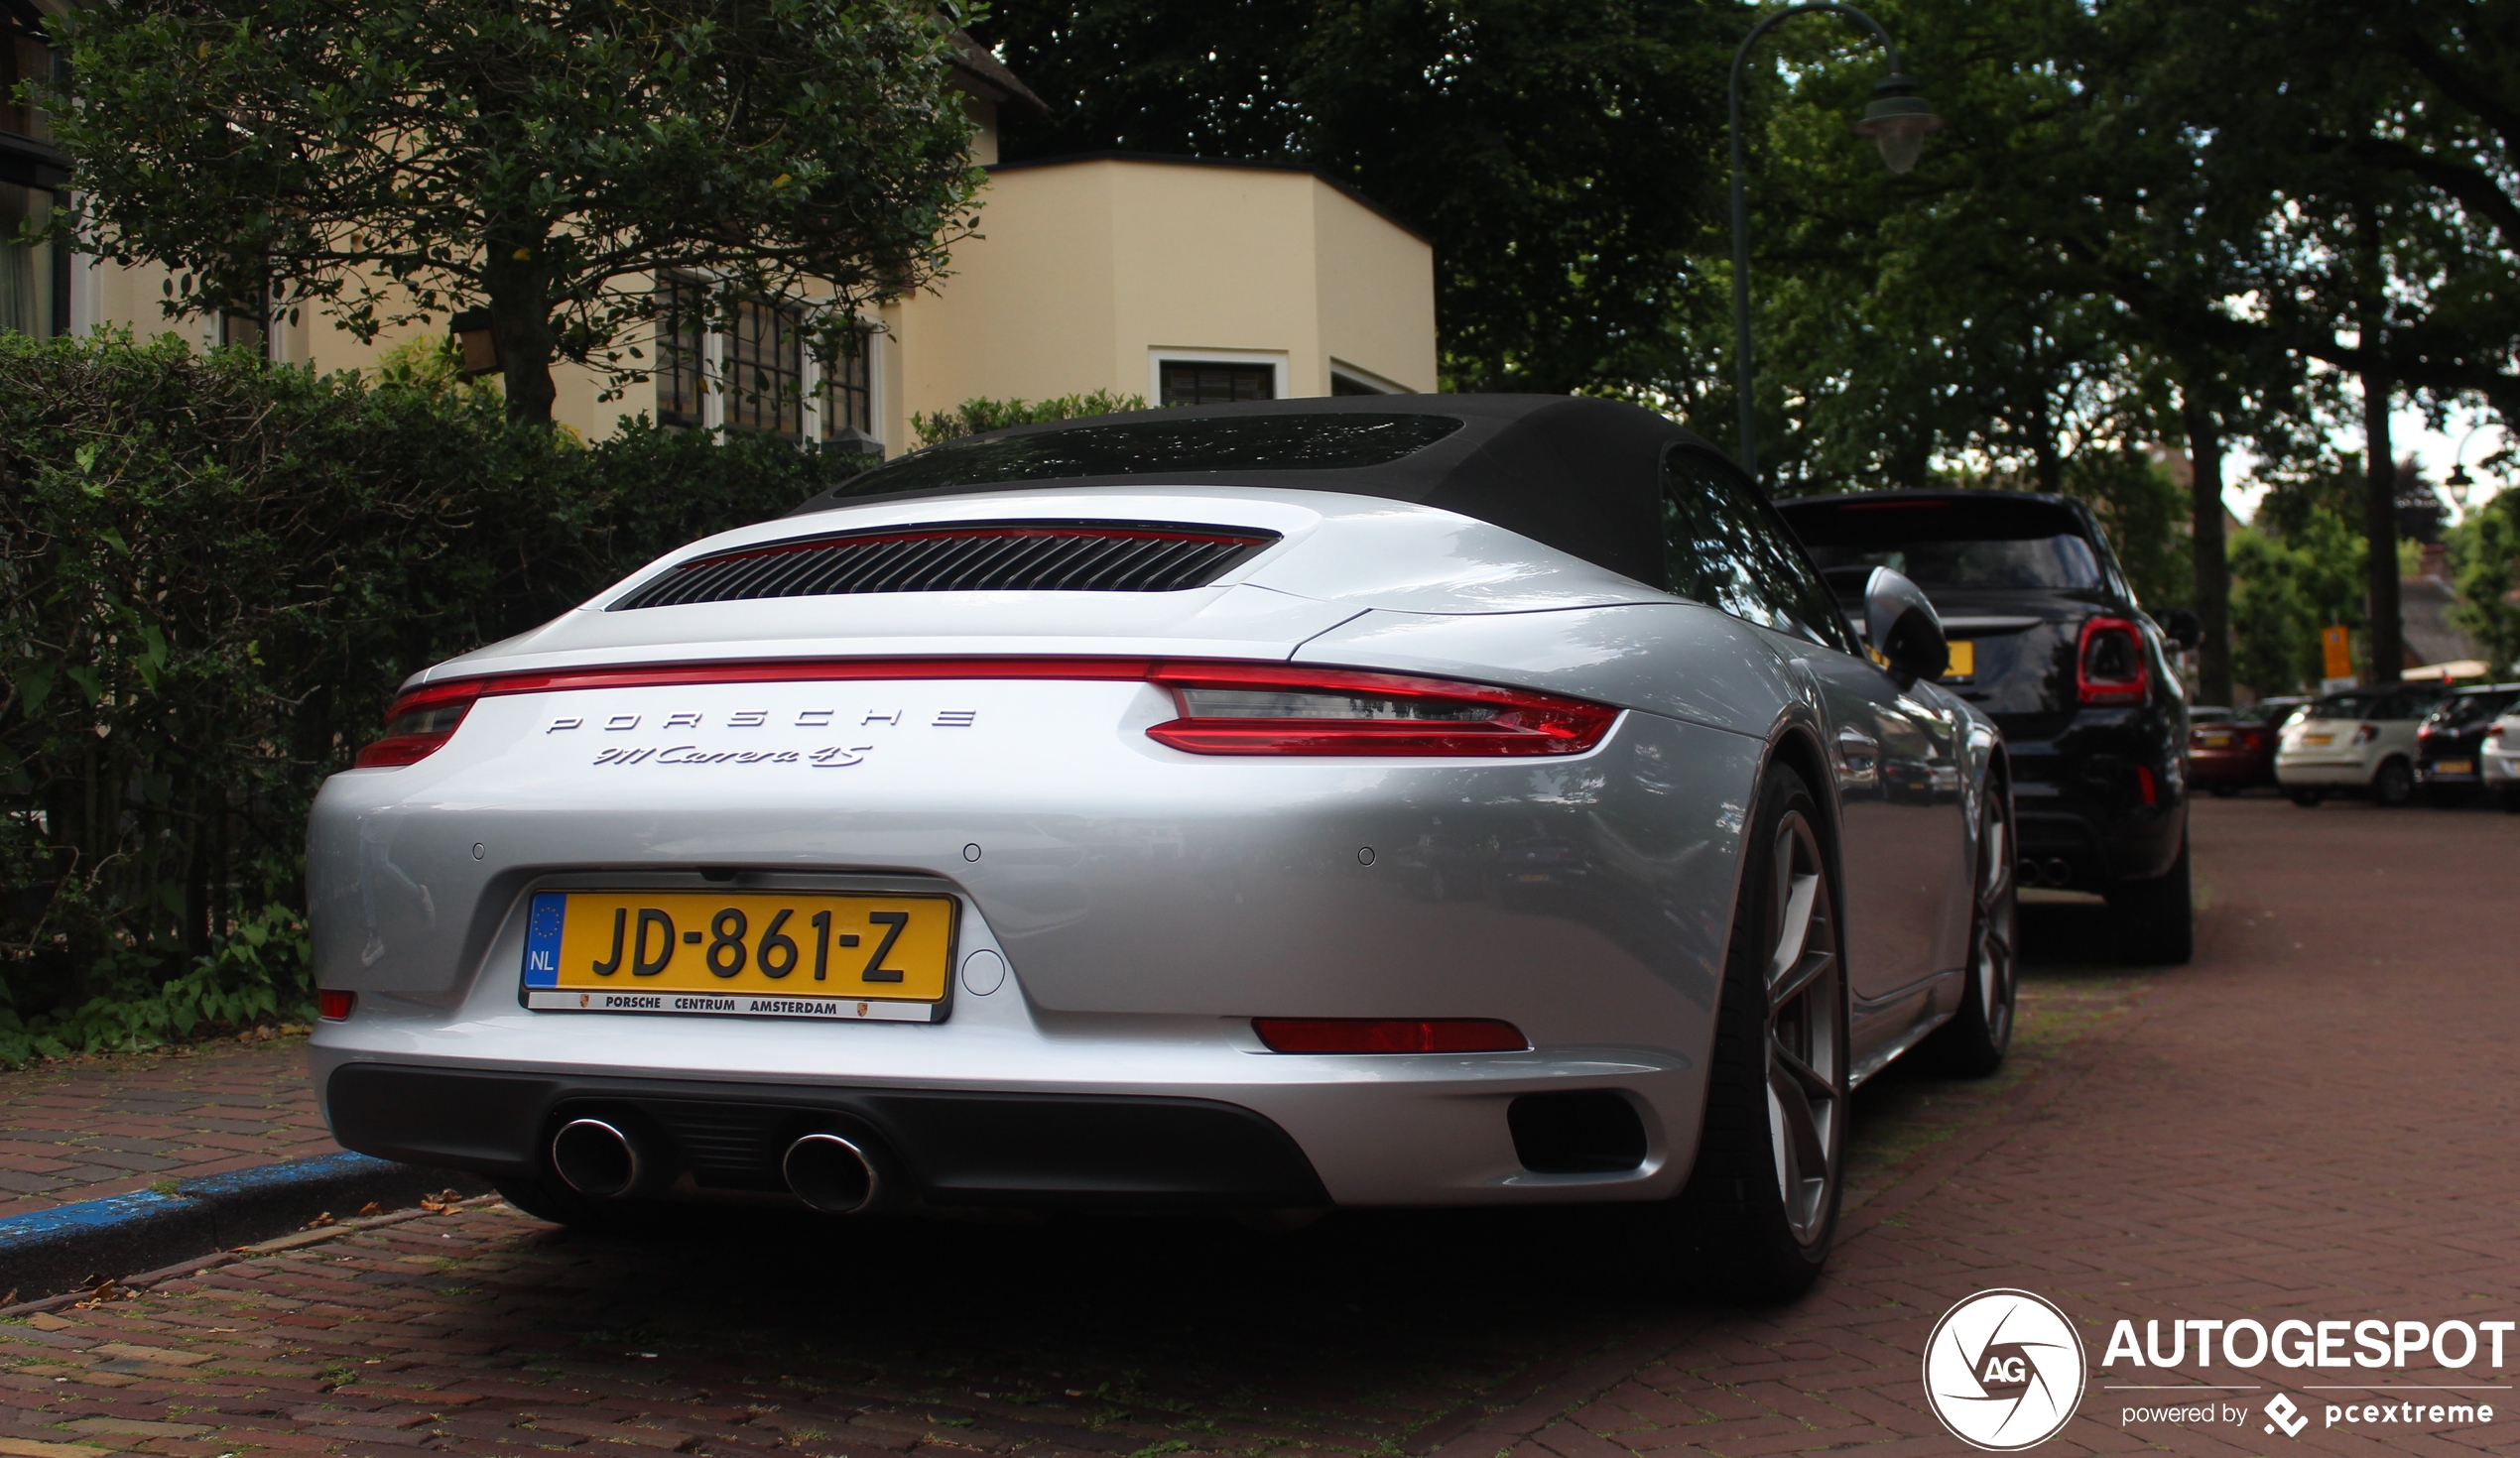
[
  {"x": 333, "y": 1005},
  {"x": 2109, "y": 665},
  {"x": 2144, "y": 782},
  {"x": 1389, "y": 1036},
  {"x": 1291, "y": 709}
]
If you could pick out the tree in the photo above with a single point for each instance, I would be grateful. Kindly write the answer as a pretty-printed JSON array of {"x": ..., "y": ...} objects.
[
  {"x": 1559, "y": 154},
  {"x": 396, "y": 160}
]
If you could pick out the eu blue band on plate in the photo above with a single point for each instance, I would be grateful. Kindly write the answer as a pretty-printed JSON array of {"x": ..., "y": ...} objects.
[{"x": 542, "y": 938}]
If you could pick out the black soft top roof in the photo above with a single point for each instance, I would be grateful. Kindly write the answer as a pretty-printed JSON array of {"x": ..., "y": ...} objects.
[{"x": 1578, "y": 474}]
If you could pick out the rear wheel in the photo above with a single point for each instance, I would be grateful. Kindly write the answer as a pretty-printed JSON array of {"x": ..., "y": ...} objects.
[
  {"x": 2308, "y": 800},
  {"x": 2160, "y": 915},
  {"x": 2393, "y": 784},
  {"x": 1972, "y": 1044},
  {"x": 1760, "y": 1209},
  {"x": 2511, "y": 799}
]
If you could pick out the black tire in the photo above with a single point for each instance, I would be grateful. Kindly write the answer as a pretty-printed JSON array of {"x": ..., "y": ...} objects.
[
  {"x": 1743, "y": 1228},
  {"x": 2159, "y": 915},
  {"x": 1974, "y": 1043},
  {"x": 2308, "y": 800},
  {"x": 2511, "y": 802},
  {"x": 2393, "y": 784}
]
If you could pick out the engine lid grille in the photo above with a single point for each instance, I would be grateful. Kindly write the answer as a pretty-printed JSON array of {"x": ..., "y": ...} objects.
[{"x": 974, "y": 557}]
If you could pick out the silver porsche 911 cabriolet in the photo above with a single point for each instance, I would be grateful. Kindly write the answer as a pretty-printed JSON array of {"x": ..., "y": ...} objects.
[{"x": 1404, "y": 801}]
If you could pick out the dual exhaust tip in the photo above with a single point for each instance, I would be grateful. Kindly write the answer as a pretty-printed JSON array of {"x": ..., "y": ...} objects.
[
  {"x": 2054, "y": 871},
  {"x": 832, "y": 1173}
]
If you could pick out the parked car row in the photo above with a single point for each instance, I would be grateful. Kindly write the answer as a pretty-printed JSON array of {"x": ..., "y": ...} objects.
[{"x": 2388, "y": 745}]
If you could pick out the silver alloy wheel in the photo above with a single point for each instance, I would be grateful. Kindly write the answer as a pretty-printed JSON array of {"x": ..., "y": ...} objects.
[
  {"x": 1998, "y": 916},
  {"x": 1804, "y": 1032}
]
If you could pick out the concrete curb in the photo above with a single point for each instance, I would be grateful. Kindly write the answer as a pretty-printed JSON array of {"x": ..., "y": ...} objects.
[{"x": 74, "y": 1246}]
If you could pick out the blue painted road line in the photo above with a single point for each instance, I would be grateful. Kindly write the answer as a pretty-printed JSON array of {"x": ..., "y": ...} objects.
[{"x": 70, "y": 1245}]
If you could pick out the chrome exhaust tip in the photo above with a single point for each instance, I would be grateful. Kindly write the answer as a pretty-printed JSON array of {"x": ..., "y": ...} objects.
[
  {"x": 832, "y": 1173},
  {"x": 597, "y": 1159}
]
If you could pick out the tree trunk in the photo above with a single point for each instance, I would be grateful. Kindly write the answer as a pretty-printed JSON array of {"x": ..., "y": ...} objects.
[
  {"x": 519, "y": 285},
  {"x": 2212, "y": 567},
  {"x": 2380, "y": 530}
]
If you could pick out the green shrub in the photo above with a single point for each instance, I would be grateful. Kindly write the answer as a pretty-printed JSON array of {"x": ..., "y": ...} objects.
[
  {"x": 972, "y": 416},
  {"x": 214, "y": 574}
]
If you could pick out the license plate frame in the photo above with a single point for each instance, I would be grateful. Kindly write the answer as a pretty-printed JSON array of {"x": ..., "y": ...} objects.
[{"x": 913, "y": 935}]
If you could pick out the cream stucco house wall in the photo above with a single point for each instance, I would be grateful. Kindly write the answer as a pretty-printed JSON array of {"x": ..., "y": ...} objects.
[{"x": 1178, "y": 280}]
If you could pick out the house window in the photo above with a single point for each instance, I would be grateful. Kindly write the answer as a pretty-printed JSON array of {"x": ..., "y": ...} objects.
[
  {"x": 682, "y": 359},
  {"x": 247, "y": 330},
  {"x": 765, "y": 371},
  {"x": 848, "y": 388},
  {"x": 34, "y": 276},
  {"x": 23, "y": 56},
  {"x": 1206, "y": 382}
]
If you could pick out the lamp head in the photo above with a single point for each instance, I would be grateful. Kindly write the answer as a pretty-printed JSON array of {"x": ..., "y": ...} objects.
[
  {"x": 2459, "y": 483},
  {"x": 1897, "y": 121}
]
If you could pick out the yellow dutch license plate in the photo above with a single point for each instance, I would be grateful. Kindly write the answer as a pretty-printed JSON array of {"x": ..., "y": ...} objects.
[
  {"x": 2453, "y": 767},
  {"x": 2317, "y": 738},
  {"x": 2217, "y": 741},
  {"x": 1964, "y": 663},
  {"x": 880, "y": 957}
]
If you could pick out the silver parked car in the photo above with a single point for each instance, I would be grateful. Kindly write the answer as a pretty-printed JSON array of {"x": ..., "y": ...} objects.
[{"x": 1402, "y": 801}]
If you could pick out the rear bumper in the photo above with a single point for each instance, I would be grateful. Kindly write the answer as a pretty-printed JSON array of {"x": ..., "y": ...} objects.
[
  {"x": 2323, "y": 773},
  {"x": 955, "y": 1149}
]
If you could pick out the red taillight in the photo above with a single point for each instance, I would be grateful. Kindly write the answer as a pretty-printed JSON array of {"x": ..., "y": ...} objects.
[
  {"x": 2108, "y": 663},
  {"x": 333, "y": 1005},
  {"x": 1389, "y": 1036},
  {"x": 1226, "y": 708},
  {"x": 417, "y": 723},
  {"x": 2365, "y": 733},
  {"x": 2144, "y": 784},
  {"x": 1288, "y": 710}
]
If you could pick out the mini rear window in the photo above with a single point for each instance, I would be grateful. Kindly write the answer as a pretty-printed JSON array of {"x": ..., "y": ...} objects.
[
  {"x": 1193, "y": 444},
  {"x": 1945, "y": 542}
]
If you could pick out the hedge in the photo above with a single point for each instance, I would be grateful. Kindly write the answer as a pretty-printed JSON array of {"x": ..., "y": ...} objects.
[{"x": 214, "y": 574}]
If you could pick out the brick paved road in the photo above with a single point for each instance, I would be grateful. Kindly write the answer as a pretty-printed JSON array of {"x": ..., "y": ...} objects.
[
  {"x": 2312, "y": 1121},
  {"x": 85, "y": 1128}
]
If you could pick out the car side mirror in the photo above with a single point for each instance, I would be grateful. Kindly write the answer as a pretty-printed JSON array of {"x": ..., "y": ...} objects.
[
  {"x": 2184, "y": 629},
  {"x": 1905, "y": 631}
]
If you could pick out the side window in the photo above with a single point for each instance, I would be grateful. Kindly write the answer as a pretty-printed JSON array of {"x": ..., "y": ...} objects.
[{"x": 1726, "y": 548}]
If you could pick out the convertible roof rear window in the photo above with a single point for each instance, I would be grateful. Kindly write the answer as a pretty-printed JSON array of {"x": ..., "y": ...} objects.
[{"x": 1280, "y": 442}]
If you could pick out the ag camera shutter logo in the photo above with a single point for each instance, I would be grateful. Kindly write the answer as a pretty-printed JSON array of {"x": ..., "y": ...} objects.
[{"x": 2004, "y": 1370}]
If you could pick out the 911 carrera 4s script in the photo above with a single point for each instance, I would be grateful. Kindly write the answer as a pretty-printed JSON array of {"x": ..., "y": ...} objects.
[{"x": 749, "y": 954}]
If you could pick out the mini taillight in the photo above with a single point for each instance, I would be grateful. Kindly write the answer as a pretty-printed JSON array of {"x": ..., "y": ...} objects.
[
  {"x": 2108, "y": 663},
  {"x": 333, "y": 1005},
  {"x": 419, "y": 722},
  {"x": 1288, "y": 709},
  {"x": 1389, "y": 1036},
  {"x": 2365, "y": 733}
]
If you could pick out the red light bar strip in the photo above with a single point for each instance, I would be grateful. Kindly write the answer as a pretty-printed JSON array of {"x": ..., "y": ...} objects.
[
  {"x": 1390, "y": 1035},
  {"x": 773, "y": 671}
]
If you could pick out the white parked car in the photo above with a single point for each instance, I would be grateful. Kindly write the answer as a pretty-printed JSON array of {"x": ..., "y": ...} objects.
[
  {"x": 2357, "y": 741},
  {"x": 2499, "y": 762}
]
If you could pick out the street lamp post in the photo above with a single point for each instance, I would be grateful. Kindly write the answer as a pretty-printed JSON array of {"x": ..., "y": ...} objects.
[
  {"x": 2460, "y": 482},
  {"x": 1897, "y": 120}
]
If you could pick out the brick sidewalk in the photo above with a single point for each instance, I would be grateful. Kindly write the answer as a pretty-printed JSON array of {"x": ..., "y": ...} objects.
[
  {"x": 109, "y": 1126},
  {"x": 2312, "y": 1121}
]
